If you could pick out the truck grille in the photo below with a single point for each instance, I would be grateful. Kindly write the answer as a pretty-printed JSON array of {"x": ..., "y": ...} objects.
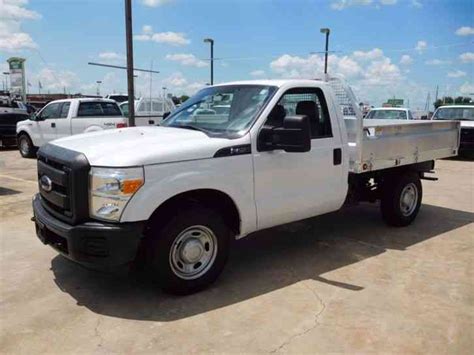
[{"x": 63, "y": 183}]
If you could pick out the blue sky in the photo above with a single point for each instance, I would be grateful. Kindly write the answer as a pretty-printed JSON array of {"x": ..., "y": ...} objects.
[{"x": 383, "y": 48}]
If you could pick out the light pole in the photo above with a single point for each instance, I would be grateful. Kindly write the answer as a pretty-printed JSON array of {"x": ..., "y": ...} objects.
[
  {"x": 211, "y": 42},
  {"x": 129, "y": 44},
  {"x": 98, "y": 87},
  {"x": 164, "y": 92},
  {"x": 326, "y": 31}
]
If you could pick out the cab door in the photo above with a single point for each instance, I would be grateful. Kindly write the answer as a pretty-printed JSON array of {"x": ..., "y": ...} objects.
[
  {"x": 46, "y": 123},
  {"x": 294, "y": 186},
  {"x": 63, "y": 122}
]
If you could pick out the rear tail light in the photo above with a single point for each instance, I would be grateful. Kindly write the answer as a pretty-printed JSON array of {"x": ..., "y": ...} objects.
[{"x": 121, "y": 125}]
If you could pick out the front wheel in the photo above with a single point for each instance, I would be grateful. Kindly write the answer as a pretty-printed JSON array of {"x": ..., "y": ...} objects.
[
  {"x": 25, "y": 146},
  {"x": 401, "y": 199},
  {"x": 190, "y": 251}
]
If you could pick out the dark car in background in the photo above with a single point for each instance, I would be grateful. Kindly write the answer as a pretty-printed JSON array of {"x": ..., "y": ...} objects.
[{"x": 8, "y": 121}]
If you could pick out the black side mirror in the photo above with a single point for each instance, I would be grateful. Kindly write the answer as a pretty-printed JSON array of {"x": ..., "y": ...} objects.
[
  {"x": 294, "y": 136},
  {"x": 166, "y": 114}
]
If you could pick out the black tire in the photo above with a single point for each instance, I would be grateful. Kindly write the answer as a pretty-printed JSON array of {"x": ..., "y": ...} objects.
[
  {"x": 396, "y": 212},
  {"x": 164, "y": 245},
  {"x": 25, "y": 146}
]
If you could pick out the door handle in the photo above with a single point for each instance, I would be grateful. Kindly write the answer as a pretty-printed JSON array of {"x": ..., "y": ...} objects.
[
  {"x": 151, "y": 122},
  {"x": 53, "y": 124},
  {"x": 337, "y": 156}
]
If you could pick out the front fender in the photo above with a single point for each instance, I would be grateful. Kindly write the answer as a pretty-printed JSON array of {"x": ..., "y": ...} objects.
[
  {"x": 230, "y": 175},
  {"x": 26, "y": 128}
]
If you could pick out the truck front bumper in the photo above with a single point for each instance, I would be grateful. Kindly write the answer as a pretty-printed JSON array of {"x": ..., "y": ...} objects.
[{"x": 92, "y": 243}]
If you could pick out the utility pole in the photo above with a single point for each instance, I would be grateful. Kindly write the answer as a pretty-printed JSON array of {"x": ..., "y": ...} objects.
[
  {"x": 211, "y": 42},
  {"x": 327, "y": 31},
  {"x": 129, "y": 43},
  {"x": 98, "y": 87}
]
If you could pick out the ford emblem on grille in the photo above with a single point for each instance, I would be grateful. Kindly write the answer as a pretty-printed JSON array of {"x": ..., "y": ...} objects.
[{"x": 46, "y": 183}]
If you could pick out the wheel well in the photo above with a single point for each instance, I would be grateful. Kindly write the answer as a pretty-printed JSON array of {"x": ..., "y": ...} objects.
[{"x": 214, "y": 199}]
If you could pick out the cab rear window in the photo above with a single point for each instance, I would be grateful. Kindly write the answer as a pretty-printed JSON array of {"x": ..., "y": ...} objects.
[{"x": 98, "y": 109}]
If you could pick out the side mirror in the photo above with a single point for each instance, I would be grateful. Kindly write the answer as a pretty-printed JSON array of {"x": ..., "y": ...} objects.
[
  {"x": 294, "y": 136},
  {"x": 166, "y": 114}
]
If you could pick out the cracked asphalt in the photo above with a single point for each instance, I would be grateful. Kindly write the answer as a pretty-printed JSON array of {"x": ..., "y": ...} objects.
[{"x": 339, "y": 283}]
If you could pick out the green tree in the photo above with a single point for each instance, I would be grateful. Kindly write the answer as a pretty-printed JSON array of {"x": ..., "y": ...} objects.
[
  {"x": 183, "y": 98},
  {"x": 458, "y": 100}
]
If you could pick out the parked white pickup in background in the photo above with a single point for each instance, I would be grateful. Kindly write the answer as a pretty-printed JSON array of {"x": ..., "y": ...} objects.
[{"x": 62, "y": 118}]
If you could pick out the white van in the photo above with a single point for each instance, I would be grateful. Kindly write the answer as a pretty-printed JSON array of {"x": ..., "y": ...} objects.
[{"x": 149, "y": 112}]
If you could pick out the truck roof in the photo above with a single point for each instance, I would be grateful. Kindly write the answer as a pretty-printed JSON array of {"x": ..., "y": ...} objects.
[
  {"x": 84, "y": 99},
  {"x": 389, "y": 108},
  {"x": 456, "y": 106},
  {"x": 275, "y": 82}
]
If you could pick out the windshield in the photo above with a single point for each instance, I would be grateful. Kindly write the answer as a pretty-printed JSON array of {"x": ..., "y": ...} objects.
[
  {"x": 387, "y": 115},
  {"x": 222, "y": 110},
  {"x": 455, "y": 113}
]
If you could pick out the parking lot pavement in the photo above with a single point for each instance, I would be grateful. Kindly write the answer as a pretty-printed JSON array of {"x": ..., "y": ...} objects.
[{"x": 343, "y": 282}]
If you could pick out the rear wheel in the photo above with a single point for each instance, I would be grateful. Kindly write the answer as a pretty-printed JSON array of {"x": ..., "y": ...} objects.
[
  {"x": 401, "y": 199},
  {"x": 190, "y": 251},
  {"x": 25, "y": 146}
]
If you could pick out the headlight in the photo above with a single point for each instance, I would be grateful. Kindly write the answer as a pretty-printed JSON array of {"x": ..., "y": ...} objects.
[{"x": 111, "y": 189}]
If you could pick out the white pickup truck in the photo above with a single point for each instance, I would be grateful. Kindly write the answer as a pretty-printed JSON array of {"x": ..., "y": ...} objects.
[
  {"x": 176, "y": 195},
  {"x": 63, "y": 118}
]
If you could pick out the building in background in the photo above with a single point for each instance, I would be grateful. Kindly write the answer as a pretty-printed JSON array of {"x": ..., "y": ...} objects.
[{"x": 17, "y": 78}]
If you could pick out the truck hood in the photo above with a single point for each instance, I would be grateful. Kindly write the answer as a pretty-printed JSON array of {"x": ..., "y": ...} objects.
[{"x": 143, "y": 146}]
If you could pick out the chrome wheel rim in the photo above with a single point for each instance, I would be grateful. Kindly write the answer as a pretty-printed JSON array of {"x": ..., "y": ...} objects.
[
  {"x": 23, "y": 145},
  {"x": 193, "y": 252},
  {"x": 408, "y": 199}
]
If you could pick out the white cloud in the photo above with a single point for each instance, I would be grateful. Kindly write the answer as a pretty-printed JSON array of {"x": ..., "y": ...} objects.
[
  {"x": 465, "y": 31},
  {"x": 369, "y": 55},
  {"x": 421, "y": 46},
  {"x": 155, "y": 3},
  {"x": 173, "y": 38},
  {"x": 406, "y": 60},
  {"x": 344, "y": 4},
  {"x": 147, "y": 29},
  {"x": 467, "y": 89},
  {"x": 187, "y": 60},
  {"x": 55, "y": 80},
  {"x": 257, "y": 73},
  {"x": 111, "y": 56},
  {"x": 179, "y": 85},
  {"x": 376, "y": 79},
  {"x": 467, "y": 57},
  {"x": 437, "y": 62},
  {"x": 417, "y": 4},
  {"x": 12, "y": 14},
  {"x": 456, "y": 74}
]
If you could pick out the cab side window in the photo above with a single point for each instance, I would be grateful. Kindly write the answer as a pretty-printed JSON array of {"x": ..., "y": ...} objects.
[
  {"x": 63, "y": 113},
  {"x": 303, "y": 101},
  {"x": 50, "y": 111}
]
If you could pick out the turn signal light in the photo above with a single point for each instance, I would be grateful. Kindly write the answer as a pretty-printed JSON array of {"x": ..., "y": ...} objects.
[{"x": 131, "y": 186}]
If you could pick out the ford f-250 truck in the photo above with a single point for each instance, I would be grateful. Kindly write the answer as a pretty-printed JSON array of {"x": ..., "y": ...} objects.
[
  {"x": 63, "y": 118},
  {"x": 176, "y": 195}
]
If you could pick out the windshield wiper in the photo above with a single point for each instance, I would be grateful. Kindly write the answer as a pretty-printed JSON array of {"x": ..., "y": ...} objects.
[{"x": 194, "y": 128}]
